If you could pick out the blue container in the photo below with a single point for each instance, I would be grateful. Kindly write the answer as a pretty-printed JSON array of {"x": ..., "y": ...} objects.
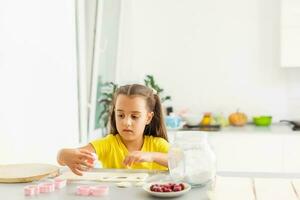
[{"x": 173, "y": 121}]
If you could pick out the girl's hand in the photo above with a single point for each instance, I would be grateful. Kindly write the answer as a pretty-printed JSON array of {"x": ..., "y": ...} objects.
[
  {"x": 137, "y": 156},
  {"x": 77, "y": 160}
]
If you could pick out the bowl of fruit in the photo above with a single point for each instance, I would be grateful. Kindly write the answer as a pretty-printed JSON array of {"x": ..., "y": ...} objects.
[
  {"x": 262, "y": 120},
  {"x": 168, "y": 189}
]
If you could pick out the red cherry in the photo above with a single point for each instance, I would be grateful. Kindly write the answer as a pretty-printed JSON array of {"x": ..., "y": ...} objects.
[
  {"x": 177, "y": 188},
  {"x": 182, "y": 186},
  {"x": 167, "y": 189},
  {"x": 152, "y": 187}
]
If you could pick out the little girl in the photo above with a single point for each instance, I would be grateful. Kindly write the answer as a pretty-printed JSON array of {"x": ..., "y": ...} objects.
[{"x": 137, "y": 138}]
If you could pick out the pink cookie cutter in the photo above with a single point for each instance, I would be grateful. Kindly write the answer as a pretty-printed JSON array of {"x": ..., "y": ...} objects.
[
  {"x": 83, "y": 190},
  {"x": 31, "y": 190},
  {"x": 47, "y": 187},
  {"x": 98, "y": 190},
  {"x": 59, "y": 183}
]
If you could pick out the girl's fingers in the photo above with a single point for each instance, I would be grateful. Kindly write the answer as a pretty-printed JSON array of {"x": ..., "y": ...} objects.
[
  {"x": 136, "y": 159},
  {"x": 76, "y": 171},
  {"x": 126, "y": 161},
  {"x": 86, "y": 161},
  {"x": 84, "y": 151},
  {"x": 87, "y": 153},
  {"x": 86, "y": 164},
  {"x": 81, "y": 167},
  {"x": 130, "y": 160},
  {"x": 133, "y": 157},
  {"x": 86, "y": 156},
  {"x": 89, "y": 165}
]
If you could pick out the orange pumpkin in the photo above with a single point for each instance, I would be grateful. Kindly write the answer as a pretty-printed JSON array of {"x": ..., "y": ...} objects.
[{"x": 238, "y": 119}]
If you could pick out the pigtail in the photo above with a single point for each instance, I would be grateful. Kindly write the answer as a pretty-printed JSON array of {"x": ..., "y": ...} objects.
[
  {"x": 112, "y": 127},
  {"x": 157, "y": 126}
]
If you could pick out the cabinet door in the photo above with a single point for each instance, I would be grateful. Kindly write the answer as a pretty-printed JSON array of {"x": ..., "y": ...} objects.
[
  {"x": 290, "y": 33},
  {"x": 253, "y": 152},
  {"x": 224, "y": 147},
  {"x": 291, "y": 161}
]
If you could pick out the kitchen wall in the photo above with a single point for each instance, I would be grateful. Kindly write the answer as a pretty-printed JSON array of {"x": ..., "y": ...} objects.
[
  {"x": 210, "y": 55},
  {"x": 38, "y": 80}
]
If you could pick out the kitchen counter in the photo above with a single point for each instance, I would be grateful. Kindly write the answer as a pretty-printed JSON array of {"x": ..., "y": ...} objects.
[{"x": 276, "y": 128}]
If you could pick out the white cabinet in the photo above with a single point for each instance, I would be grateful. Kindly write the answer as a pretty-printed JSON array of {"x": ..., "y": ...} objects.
[
  {"x": 225, "y": 150},
  {"x": 291, "y": 153},
  {"x": 249, "y": 152},
  {"x": 252, "y": 151},
  {"x": 290, "y": 33}
]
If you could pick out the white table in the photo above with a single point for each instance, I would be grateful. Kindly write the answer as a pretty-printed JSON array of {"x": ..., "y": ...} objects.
[
  {"x": 15, "y": 191},
  {"x": 236, "y": 186}
]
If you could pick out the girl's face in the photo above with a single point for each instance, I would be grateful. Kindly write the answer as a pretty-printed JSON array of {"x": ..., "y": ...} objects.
[{"x": 132, "y": 116}]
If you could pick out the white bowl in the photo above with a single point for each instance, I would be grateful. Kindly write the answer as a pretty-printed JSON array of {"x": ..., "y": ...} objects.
[
  {"x": 147, "y": 186},
  {"x": 192, "y": 119}
]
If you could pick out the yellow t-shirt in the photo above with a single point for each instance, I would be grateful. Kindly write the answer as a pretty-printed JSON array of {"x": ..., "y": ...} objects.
[{"x": 111, "y": 151}]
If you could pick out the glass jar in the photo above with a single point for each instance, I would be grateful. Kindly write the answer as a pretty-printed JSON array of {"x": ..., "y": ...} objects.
[{"x": 191, "y": 159}]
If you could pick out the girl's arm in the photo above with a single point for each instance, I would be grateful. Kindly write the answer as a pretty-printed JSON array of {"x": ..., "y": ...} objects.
[
  {"x": 139, "y": 156},
  {"x": 76, "y": 159},
  {"x": 160, "y": 158}
]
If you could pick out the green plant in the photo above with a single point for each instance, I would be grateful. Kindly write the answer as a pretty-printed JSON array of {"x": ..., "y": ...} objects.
[
  {"x": 151, "y": 83},
  {"x": 107, "y": 91}
]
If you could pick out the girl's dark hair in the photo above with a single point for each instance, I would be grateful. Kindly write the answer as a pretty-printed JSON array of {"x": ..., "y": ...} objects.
[{"x": 157, "y": 126}]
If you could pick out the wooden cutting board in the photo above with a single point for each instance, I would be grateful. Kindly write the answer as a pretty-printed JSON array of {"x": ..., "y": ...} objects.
[
  {"x": 106, "y": 176},
  {"x": 22, "y": 173}
]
